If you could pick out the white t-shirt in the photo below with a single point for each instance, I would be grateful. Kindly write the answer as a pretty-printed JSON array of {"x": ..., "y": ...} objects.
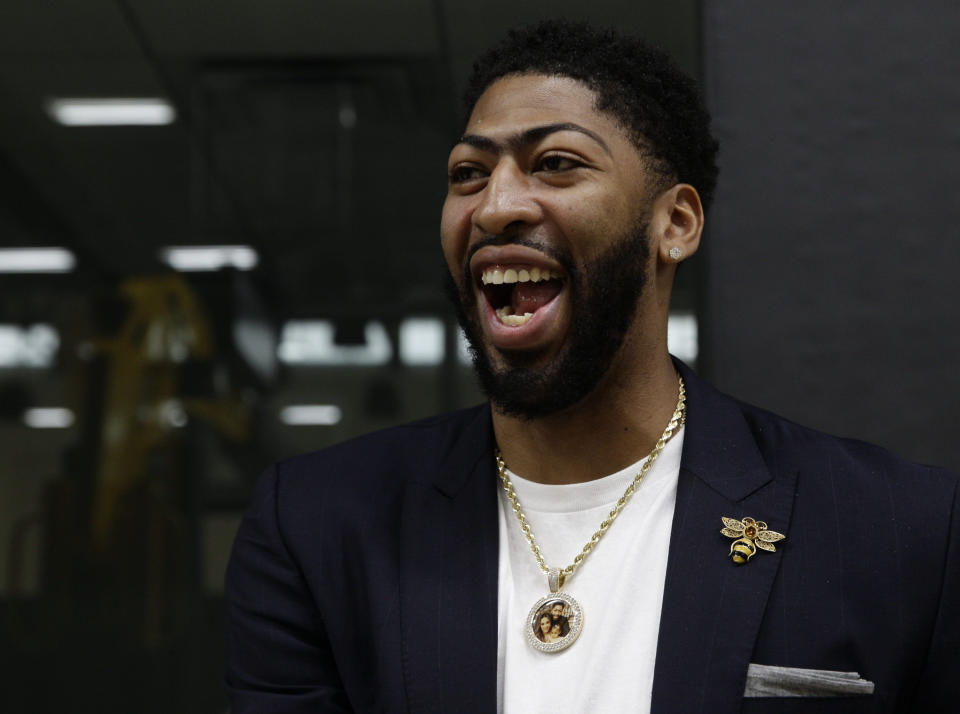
[{"x": 619, "y": 587}]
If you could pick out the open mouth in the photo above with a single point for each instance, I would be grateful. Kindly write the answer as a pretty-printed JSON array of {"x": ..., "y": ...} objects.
[{"x": 516, "y": 292}]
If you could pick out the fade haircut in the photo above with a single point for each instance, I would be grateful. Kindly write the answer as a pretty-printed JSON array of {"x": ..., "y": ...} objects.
[{"x": 640, "y": 87}]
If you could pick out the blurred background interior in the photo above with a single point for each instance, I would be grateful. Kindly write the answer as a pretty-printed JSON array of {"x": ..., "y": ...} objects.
[{"x": 219, "y": 246}]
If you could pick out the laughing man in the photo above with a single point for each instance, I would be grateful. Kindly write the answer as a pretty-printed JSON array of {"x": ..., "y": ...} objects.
[{"x": 708, "y": 556}]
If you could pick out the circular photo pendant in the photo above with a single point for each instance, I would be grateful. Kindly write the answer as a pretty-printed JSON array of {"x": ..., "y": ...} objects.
[{"x": 554, "y": 623}]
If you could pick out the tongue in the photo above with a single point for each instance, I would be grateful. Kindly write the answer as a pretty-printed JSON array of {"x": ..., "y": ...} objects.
[{"x": 530, "y": 297}]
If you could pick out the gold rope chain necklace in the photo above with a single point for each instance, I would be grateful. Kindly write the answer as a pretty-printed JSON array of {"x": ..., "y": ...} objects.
[{"x": 556, "y": 620}]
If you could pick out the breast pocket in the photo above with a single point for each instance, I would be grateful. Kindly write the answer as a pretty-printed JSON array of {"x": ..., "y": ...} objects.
[
  {"x": 819, "y": 705},
  {"x": 794, "y": 689},
  {"x": 764, "y": 680}
]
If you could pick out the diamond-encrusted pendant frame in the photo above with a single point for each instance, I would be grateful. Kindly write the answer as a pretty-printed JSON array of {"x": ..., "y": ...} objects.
[{"x": 571, "y": 611}]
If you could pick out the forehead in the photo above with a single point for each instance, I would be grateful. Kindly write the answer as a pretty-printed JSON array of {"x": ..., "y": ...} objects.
[{"x": 514, "y": 103}]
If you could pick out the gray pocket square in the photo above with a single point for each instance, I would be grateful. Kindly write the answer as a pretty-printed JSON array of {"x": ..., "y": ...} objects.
[{"x": 764, "y": 680}]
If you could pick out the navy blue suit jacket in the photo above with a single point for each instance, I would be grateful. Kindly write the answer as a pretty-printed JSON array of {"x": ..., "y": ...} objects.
[{"x": 364, "y": 576}]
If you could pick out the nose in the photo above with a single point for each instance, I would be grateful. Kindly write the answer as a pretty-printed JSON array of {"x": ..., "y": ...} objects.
[{"x": 507, "y": 201}]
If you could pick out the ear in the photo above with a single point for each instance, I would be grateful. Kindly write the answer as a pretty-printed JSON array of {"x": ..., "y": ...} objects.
[{"x": 679, "y": 219}]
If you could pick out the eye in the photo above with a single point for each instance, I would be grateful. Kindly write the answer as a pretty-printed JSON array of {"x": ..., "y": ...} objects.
[
  {"x": 553, "y": 163},
  {"x": 464, "y": 173}
]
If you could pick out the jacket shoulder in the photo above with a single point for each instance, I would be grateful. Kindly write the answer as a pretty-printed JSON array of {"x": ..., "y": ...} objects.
[
  {"x": 776, "y": 435},
  {"x": 868, "y": 483},
  {"x": 385, "y": 459}
]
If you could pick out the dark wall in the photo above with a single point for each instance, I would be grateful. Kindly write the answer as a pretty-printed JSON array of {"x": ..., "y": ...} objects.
[{"x": 833, "y": 248}]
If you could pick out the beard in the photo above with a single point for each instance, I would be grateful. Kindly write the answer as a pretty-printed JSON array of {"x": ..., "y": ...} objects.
[{"x": 604, "y": 295}]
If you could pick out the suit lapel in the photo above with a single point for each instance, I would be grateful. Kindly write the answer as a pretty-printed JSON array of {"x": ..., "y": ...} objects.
[
  {"x": 712, "y": 609},
  {"x": 448, "y": 582}
]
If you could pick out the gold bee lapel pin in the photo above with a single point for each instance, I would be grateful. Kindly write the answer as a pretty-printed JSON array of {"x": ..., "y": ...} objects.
[{"x": 749, "y": 535}]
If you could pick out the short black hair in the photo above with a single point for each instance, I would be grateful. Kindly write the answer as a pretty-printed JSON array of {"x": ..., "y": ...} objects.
[{"x": 638, "y": 85}]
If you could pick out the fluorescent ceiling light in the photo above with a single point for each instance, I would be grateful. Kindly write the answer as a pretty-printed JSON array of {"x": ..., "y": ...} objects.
[
  {"x": 311, "y": 342},
  {"x": 209, "y": 257},
  {"x": 35, "y": 346},
  {"x": 48, "y": 418},
  {"x": 111, "y": 112},
  {"x": 683, "y": 336},
  {"x": 421, "y": 341},
  {"x": 311, "y": 415},
  {"x": 36, "y": 260}
]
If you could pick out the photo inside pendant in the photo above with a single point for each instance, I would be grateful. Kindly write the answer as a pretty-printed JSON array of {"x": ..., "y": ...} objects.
[{"x": 553, "y": 621}]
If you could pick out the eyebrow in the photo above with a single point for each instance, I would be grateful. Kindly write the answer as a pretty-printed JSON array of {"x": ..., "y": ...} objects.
[{"x": 530, "y": 136}]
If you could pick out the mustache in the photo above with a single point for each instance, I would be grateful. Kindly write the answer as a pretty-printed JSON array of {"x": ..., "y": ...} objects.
[{"x": 514, "y": 239}]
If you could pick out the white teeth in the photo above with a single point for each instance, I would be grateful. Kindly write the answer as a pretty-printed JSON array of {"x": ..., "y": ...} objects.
[
  {"x": 512, "y": 320},
  {"x": 495, "y": 276}
]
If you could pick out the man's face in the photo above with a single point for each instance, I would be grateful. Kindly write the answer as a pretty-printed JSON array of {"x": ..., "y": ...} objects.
[
  {"x": 544, "y": 235},
  {"x": 556, "y": 611}
]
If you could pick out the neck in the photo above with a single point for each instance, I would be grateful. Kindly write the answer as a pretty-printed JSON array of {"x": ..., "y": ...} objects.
[{"x": 616, "y": 425}]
